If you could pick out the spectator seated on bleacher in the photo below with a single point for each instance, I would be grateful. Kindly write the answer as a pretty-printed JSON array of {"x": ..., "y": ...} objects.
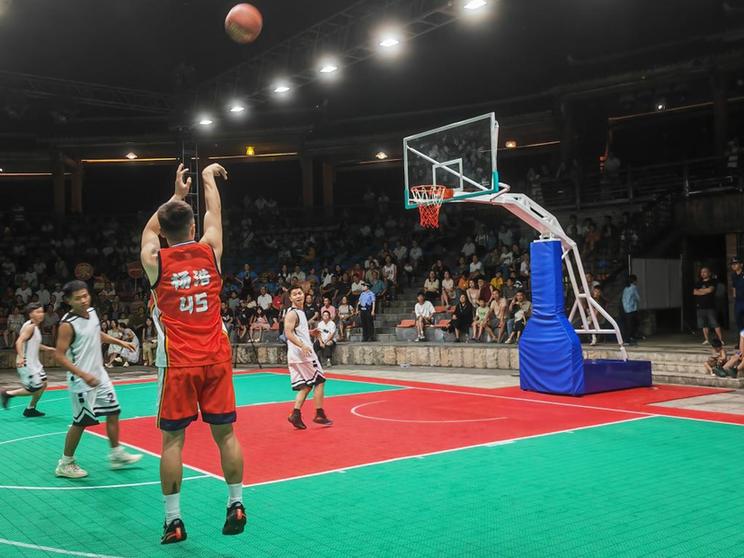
[
  {"x": 424, "y": 312},
  {"x": 462, "y": 318}
]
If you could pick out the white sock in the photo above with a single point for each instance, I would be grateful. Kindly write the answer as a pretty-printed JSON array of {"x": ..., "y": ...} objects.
[
  {"x": 234, "y": 493},
  {"x": 67, "y": 460},
  {"x": 172, "y": 507}
]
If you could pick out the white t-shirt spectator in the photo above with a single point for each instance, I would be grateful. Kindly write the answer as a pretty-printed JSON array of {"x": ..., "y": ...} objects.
[
  {"x": 400, "y": 252},
  {"x": 25, "y": 294},
  {"x": 327, "y": 330},
  {"x": 40, "y": 268},
  {"x": 425, "y": 309},
  {"x": 44, "y": 296},
  {"x": 468, "y": 249},
  {"x": 390, "y": 272},
  {"x": 264, "y": 301},
  {"x": 31, "y": 278},
  {"x": 476, "y": 267},
  {"x": 416, "y": 253},
  {"x": 356, "y": 287}
]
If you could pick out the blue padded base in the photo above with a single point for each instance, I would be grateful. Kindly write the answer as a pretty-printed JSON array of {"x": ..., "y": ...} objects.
[{"x": 610, "y": 375}]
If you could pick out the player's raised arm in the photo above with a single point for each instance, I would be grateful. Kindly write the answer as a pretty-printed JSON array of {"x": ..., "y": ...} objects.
[
  {"x": 64, "y": 338},
  {"x": 151, "y": 234},
  {"x": 213, "y": 215}
]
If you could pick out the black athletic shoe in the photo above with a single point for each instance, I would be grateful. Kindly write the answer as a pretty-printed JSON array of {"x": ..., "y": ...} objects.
[
  {"x": 4, "y": 398},
  {"x": 321, "y": 418},
  {"x": 33, "y": 413},
  {"x": 175, "y": 532},
  {"x": 235, "y": 521},
  {"x": 295, "y": 419}
]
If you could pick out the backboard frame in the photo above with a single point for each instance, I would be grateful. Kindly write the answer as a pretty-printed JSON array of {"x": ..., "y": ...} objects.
[{"x": 460, "y": 193}]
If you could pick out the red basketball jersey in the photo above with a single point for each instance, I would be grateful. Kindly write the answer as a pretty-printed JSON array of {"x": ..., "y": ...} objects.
[{"x": 186, "y": 299}]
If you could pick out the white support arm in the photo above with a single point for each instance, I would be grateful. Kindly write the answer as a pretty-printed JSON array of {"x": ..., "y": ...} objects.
[{"x": 546, "y": 224}]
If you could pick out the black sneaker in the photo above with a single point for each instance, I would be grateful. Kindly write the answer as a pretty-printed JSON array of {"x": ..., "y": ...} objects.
[
  {"x": 235, "y": 521},
  {"x": 295, "y": 419},
  {"x": 321, "y": 418},
  {"x": 175, "y": 532},
  {"x": 4, "y": 398},
  {"x": 28, "y": 412}
]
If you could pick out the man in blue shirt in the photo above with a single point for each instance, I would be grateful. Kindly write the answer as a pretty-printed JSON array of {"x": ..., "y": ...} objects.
[
  {"x": 366, "y": 309},
  {"x": 737, "y": 284},
  {"x": 631, "y": 299}
]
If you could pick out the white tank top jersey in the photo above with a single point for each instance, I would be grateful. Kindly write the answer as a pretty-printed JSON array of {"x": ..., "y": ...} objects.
[
  {"x": 31, "y": 350},
  {"x": 302, "y": 331},
  {"x": 85, "y": 349}
]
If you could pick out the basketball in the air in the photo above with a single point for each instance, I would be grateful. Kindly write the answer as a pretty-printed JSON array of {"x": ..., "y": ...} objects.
[{"x": 244, "y": 23}]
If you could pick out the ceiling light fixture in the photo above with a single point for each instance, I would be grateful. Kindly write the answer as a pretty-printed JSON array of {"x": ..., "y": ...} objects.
[
  {"x": 389, "y": 42},
  {"x": 205, "y": 121},
  {"x": 237, "y": 108},
  {"x": 250, "y": 151},
  {"x": 281, "y": 88},
  {"x": 511, "y": 144},
  {"x": 473, "y": 5},
  {"x": 381, "y": 155},
  {"x": 131, "y": 156},
  {"x": 328, "y": 68}
]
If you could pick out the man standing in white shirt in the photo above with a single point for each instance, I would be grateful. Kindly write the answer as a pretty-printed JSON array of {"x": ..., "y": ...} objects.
[{"x": 424, "y": 311}]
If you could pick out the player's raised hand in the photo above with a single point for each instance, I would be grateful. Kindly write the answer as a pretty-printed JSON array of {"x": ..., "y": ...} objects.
[
  {"x": 215, "y": 170},
  {"x": 183, "y": 187}
]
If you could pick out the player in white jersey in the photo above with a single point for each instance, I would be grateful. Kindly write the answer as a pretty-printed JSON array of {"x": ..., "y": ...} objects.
[
  {"x": 305, "y": 372},
  {"x": 28, "y": 364},
  {"x": 92, "y": 393}
]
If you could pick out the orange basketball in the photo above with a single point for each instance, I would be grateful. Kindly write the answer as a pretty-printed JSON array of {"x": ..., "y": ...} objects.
[{"x": 244, "y": 23}]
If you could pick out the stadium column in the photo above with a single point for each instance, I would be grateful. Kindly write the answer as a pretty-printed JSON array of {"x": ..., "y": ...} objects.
[
  {"x": 58, "y": 180},
  {"x": 76, "y": 198},
  {"x": 308, "y": 181},
  {"x": 329, "y": 180}
]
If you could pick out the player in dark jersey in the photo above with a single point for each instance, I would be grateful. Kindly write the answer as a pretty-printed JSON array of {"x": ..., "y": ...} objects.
[{"x": 194, "y": 354}]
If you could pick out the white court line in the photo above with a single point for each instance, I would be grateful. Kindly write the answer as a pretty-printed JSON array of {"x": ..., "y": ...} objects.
[
  {"x": 148, "y": 452},
  {"x": 129, "y": 485},
  {"x": 55, "y": 550},
  {"x": 355, "y": 411},
  {"x": 440, "y": 452},
  {"x": 32, "y": 437},
  {"x": 558, "y": 403}
]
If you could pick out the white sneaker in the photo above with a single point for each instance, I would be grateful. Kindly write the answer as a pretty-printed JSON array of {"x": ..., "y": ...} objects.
[
  {"x": 123, "y": 459},
  {"x": 70, "y": 470},
  {"x": 706, "y": 342},
  {"x": 125, "y": 364},
  {"x": 328, "y": 362}
]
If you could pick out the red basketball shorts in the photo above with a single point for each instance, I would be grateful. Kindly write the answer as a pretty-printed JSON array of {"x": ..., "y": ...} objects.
[{"x": 186, "y": 391}]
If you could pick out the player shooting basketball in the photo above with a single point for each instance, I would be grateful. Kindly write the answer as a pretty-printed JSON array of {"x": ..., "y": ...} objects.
[{"x": 193, "y": 354}]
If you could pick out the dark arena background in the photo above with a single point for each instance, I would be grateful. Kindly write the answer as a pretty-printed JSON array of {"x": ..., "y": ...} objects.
[{"x": 548, "y": 365}]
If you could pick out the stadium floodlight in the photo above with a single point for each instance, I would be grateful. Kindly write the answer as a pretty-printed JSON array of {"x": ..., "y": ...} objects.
[
  {"x": 282, "y": 88},
  {"x": 661, "y": 106},
  {"x": 511, "y": 144},
  {"x": 381, "y": 155},
  {"x": 389, "y": 42},
  {"x": 205, "y": 121},
  {"x": 131, "y": 156},
  {"x": 328, "y": 67},
  {"x": 237, "y": 108},
  {"x": 473, "y": 5}
]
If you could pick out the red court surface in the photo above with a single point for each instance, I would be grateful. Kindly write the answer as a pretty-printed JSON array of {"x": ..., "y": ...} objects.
[
  {"x": 371, "y": 428},
  {"x": 421, "y": 418}
]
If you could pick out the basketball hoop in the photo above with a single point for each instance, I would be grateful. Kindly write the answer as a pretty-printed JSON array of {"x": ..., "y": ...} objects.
[{"x": 429, "y": 199}]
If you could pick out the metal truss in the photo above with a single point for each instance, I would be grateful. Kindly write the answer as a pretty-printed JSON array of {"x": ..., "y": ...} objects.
[
  {"x": 348, "y": 36},
  {"x": 86, "y": 93}
]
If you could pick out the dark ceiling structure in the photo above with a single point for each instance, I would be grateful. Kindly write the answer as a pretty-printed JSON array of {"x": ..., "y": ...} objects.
[{"x": 92, "y": 77}]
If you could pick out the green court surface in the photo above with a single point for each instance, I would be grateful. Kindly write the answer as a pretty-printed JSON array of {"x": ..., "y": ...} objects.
[{"x": 651, "y": 487}]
